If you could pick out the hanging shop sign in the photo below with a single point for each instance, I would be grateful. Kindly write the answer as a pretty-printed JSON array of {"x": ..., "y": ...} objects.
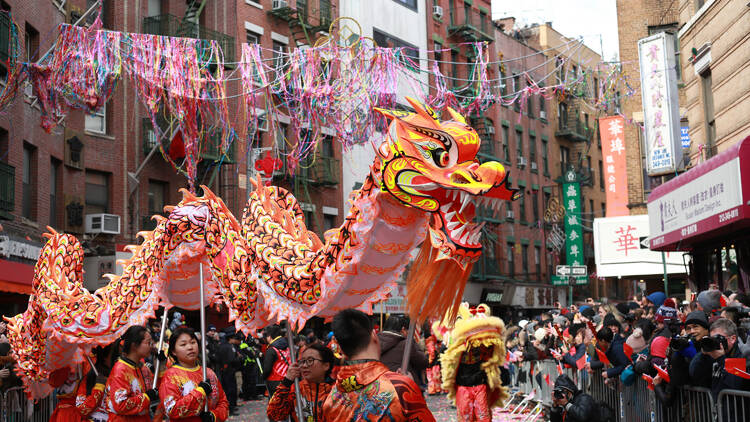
[
  {"x": 621, "y": 248},
  {"x": 661, "y": 114},
  {"x": 710, "y": 199},
  {"x": 615, "y": 165}
]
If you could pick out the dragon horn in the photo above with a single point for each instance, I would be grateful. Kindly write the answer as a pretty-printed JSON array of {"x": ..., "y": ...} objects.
[
  {"x": 426, "y": 112},
  {"x": 456, "y": 115}
]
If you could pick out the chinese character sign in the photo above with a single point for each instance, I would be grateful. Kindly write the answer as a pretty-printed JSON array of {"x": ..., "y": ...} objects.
[
  {"x": 573, "y": 231},
  {"x": 661, "y": 115},
  {"x": 614, "y": 170}
]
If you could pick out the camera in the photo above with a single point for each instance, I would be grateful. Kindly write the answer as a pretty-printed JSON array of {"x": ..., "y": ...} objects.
[
  {"x": 680, "y": 342},
  {"x": 713, "y": 343},
  {"x": 558, "y": 394}
]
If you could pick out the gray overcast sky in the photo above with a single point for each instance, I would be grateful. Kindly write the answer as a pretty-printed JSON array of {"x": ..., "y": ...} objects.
[{"x": 572, "y": 18}]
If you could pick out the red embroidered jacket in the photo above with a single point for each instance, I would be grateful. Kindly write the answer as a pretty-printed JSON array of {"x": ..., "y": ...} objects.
[
  {"x": 66, "y": 381},
  {"x": 93, "y": 406},
  {"x": 282, "y": 404},
  {"x": 368, "y": 391},
  {"x": 126, "y": 392},
  {"x": 184, "y": 400}
]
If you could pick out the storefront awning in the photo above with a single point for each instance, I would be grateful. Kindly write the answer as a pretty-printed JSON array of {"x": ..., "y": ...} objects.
[
  {"x": 16, "y": 277},
  {"x": 703, "y": 203}
]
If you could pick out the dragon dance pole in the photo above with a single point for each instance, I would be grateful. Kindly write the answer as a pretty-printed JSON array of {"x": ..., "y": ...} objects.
[
  {"x": 407, "y": 348},
  {"x": 293, "y": 357},
  {"x": 93, "y": 368},
  {"x": 203, "y": 327},
  {"x": 161, "y": 346}
]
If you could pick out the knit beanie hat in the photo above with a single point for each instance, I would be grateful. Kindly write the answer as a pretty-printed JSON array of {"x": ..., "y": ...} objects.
[
  {"x": 560, "y": 320},
  {"x": 636, "y": 341},
  {"x": 539, "y": 334},
  {"x": 697, "y": 318},
  {"x": 522, "y": 323},
  {"x": 657, "y": 298},
  {"x": 710, "y": 300},
  {"x": 659, "y": 347},
  {"x": 665, "y": 313},
  {"x": 623, "y": 308}
]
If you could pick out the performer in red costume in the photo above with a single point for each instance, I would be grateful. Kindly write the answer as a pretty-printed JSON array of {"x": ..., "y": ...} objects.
[
  {"x": 129, "y": 391},
  {"x": 183, "y": 390},
  {"x": 315, "y": 364},
  {"x": 66, "y": 382},
  {"x": 91, "y": 398}
]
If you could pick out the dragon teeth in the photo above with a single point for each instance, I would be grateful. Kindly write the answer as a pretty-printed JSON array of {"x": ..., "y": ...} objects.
[
  {"x": 465, "y": 200},
  {"x": 452, "y": 225},
  {"x": 450, "y": 215}
]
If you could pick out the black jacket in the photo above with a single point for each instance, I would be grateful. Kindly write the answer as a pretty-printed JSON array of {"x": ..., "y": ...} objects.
[
  {"x": 270, "y": 357},
  {"x": 581, "y": 407},
  {"x": 227, "y": 357},
  {"x": 616, "y": 357},
  {"x": 392, "y": 347}
]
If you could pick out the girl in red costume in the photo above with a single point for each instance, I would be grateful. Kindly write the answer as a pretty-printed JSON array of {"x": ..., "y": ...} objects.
[
  {"x": 183, "y": 390},
  {"x": 129, "y": 392},
  {"x": 91, "y": 398},
  {"x": 315, "y": 365}
]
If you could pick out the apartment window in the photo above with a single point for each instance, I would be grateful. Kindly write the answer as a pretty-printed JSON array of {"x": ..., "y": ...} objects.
[
  {"x": 525, "y": 260},
  {"x": 29, "y": 180},
  {"x": 588, "y": 166},
  {"x": 545, "y": 156},
  {"x": 451, "y": 7},
  {"x": 54, "y": 186},
  {"x": 97, "y": 121},
  {"x": 278, "y": 53},
  {"x": 522, "y": 208},
  {"x": 454, "y": 67},
  {"x": 535, "y": 205},
  {"x": 154, "y": 7},
  {"x": 562, "y": 115},
  {"x": 519, "y": 142},
  {"x": 467, "y": 12},
  {"x": 383, "y": 39},
  {"x": 532, "y": 148},
  {"x": 596, "y": 89},
  {"x": 327, "y": 146},
  {"x": 438, "y": 54},
  {"x": 591, "y": 207},
  {"x": 708, "y": 113},
  {"x": 601, "y": 175},
  {"x": 503, "y": 81},
  {"x": 97, "y": 192},
  {"x": 157, "y": 193},
  {"x": 542, "y": 107},
  {"x": 604, "y": 209},
  {"x": 564, "y": 158},
  {"x": 411, "y": 4},
  {"x": 483, "y": 22},
  {"x": 516, "y": 88},
  {"x": 252, "y": 37},
  {"x": 573, "y": 72},
  {"x": 529, "y": 102},
  {"x": 506, "y": 144},
  {"x": 511, "y": 263},
  {"x": 538, "y": 262},
  {"x": 560, "y": 65},
  {"x": 329, "y": 222}
]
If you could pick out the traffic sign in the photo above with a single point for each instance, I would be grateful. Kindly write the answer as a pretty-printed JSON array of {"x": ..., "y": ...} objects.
[
  {"x": 565, "y": 280},
  {"x": 572, "y": 270}
]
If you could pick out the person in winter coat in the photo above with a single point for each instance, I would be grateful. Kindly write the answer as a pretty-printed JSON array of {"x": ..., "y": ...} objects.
[
  {"x": 229, "y": 360},
  {"x": 392, "y": 344},
  {"x": 315, "y": 364},
  {"x": 277, "y": 358},
  {"x": 611, "y": 345},
  {"x": 185, "y": 394},
  {"x": 569, "y": 404}
]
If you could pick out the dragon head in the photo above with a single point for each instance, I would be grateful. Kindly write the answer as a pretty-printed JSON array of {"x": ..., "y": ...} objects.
[{"x": 431, "y": 165}]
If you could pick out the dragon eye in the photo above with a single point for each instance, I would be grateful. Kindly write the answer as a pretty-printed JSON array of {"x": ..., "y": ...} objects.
[{"x": 440, "y": 157}]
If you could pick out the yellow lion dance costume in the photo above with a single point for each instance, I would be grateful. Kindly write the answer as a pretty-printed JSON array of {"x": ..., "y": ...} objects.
[{"x": 471, "y": 364}]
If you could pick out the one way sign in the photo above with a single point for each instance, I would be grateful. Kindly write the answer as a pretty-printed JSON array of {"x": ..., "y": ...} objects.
[{"x": 644, "y": 243}]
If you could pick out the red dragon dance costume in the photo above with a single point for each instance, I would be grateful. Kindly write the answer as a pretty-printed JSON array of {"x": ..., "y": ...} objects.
[
  {"x": 92, "y": 407},
  {"x": 368, "y": 391},
  {"x": 66, "y": 381},
  {"x": 184, "y": 400},
  {"x": 281, "y": 405}
]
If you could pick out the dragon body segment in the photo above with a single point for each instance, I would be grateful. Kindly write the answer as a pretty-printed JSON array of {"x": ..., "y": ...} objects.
[{"x": 423, "y": 188}]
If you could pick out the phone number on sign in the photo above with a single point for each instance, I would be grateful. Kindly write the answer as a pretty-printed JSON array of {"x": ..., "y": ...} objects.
[{"x": 729, "y": 215}]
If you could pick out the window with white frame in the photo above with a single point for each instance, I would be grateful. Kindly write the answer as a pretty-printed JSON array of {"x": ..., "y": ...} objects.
[{"x": 97, "y": 121}]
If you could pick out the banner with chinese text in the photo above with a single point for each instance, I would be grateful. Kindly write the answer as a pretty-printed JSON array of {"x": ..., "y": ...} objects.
[
  {"x": 573, "y": 229},
  {"x": 615, "y": 167}
]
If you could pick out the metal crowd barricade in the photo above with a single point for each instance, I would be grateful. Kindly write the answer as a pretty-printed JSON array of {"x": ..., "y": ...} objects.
[
  {"x": 697, "y": 404},
  {"x": 17, "y": 408},
  {"x": 733, "y": 405}
]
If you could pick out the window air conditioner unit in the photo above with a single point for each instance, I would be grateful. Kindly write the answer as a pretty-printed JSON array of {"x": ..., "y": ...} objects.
[
  {"x": 102, "y": 223},
  {"x": 543, "y": 115},
  {"x": 491, "y": 130},
  {"x": 279, "y": 4},
  {"x": 509, "y": 214},
  {"x": 533, "y": 166},
  {"x": 437, "y": 11},
  {"x": 521, "y": 162}
]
